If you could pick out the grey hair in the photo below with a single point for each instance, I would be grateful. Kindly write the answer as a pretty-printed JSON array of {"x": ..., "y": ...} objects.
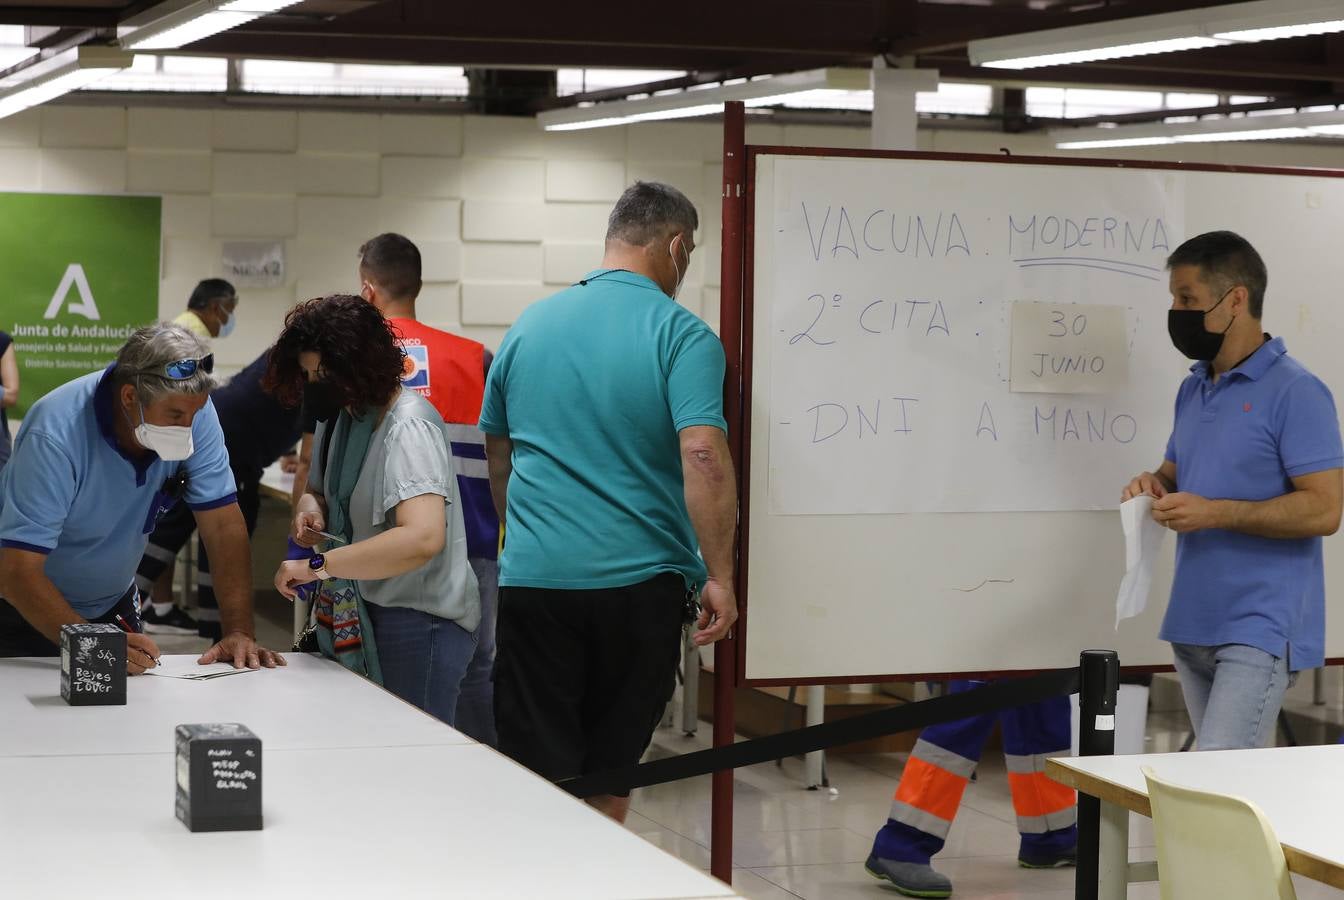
[
  {"x": 649, "y": 210},
  {"x": 141, "y": 360}
]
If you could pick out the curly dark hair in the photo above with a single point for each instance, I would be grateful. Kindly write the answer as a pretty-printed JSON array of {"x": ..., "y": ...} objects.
[{"x": 360, "y": 357}]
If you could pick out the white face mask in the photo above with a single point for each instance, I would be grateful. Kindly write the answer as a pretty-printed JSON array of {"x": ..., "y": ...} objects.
[
  {"x": 170, "y": 442},
  {"x": 227, "y": 328},
  {"x": 681, "y": 276}
]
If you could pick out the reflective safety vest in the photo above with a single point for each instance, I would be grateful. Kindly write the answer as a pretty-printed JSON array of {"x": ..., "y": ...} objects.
[{"x": 449, "y": 371}]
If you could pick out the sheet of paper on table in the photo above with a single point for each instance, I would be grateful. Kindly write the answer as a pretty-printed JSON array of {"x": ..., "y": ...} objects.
[{"x": 185, "y": 666}]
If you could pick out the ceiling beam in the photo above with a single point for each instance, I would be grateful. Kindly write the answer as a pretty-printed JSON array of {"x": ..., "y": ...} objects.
[
  {"x": 746, "y": 32},
  {"x": 61, "y": 17},
  {"x": 1157, "y": 115},
  {"x": 804, "y": 27},
  {"x": 818, "y": 20},
  {"x": 1256, "y": 61},
  {"x": 743, "y": 42},
  {"x": 648, "y": 87},
  {"x": 1113, "y": 75},
  {"x": 1264, "y": 70},
  {"x": 59, "y": 41},
  {"x": 422, "y": 105},
  {"x": 454, "y": 51},
  {"x": 945, "y": 27}
]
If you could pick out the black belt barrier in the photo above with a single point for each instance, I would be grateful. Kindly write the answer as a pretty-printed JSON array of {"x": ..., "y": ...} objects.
[{"x": 997, "y": 695}]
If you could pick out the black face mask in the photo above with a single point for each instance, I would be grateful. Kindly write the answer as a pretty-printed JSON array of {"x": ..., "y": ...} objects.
[
  {"x": 322, "y": 400},
  {"x": 1186, "y": 327}
]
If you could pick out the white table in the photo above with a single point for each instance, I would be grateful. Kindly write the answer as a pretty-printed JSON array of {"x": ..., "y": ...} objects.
[
  {"x": 1300, "y": 789},
  {"x": 444, "y": 821},
  {"x": 276, "y": 482},
  {"x": 399, "y": 805},
  {"x": 302, "y": 706}
]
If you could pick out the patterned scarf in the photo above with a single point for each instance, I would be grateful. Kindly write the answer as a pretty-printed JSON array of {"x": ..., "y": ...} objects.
[{"x": 343, "y": 624}]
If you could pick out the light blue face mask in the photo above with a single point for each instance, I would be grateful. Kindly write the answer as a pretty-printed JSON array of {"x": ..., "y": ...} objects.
[{"x": 227, "y": 328}]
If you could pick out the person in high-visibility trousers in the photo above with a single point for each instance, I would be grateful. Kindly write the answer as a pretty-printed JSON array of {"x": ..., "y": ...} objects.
[{"x": 944, "y": 758}]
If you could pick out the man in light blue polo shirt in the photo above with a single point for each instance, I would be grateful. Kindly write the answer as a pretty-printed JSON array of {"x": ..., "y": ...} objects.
[
  {"x": 97, "y": 461},
  {"x": 1251, "y": 482},
  {"x": 609, "y": 463}
]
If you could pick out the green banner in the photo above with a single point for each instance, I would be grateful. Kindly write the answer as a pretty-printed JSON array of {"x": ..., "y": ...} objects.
[{"x": 78, "y": 274}]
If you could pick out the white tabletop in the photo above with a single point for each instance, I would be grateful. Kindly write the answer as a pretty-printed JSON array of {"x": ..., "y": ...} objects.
[
  {"x": 446, "y": 821},
  {"x": 310, "y": 703},
  {"x": 1300, "y": 790},
  {"x": 277, "y": 482}
]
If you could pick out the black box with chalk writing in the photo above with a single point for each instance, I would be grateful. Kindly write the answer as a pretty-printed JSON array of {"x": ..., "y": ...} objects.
[
  {"x": 218, "y": 777},
  {"x": 93, "y": 665}
]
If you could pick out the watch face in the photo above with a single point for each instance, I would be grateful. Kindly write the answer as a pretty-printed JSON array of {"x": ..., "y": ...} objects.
[{"x": 316, "y": 562}]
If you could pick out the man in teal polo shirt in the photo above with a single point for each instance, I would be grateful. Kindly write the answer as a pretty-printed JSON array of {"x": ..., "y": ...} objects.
[
  {"x": 609, "y": 463},
  {"x": 1251, "y": 481},
  {"x": 97, "y": 461}
]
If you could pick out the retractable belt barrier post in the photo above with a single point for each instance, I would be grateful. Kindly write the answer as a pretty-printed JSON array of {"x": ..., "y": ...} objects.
[{"x": 1098, "y": 684}]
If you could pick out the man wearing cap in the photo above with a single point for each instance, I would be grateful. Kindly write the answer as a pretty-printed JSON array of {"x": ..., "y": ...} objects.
[{"x": 97, "y": 462}]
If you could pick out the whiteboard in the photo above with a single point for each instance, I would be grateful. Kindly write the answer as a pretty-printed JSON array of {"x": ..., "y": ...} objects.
[{"x": 916, "y": 504}]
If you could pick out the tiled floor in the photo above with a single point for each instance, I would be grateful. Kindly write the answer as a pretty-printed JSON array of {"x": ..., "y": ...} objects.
[{"x": 790, "y": 843}]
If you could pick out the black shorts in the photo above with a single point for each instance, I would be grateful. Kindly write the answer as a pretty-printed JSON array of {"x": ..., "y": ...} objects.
[{"x": 582, "y": 677}]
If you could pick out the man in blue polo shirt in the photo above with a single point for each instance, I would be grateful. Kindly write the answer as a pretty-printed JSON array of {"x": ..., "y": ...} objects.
[
  {"x": 97, "y": 462},
  {"x": 257, "y": 429},
  {"x": 608, "y": 457},
  {"x": 1251, "y": 482}
]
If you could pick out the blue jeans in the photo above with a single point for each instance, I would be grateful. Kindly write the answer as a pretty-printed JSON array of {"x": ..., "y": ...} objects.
[
  {"x": 1233, "y": 693},
  {"x": 476, "y": 702},
  {"x": 423, "y": 657}
]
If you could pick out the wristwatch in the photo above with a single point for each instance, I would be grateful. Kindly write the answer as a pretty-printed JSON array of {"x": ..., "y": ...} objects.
[{"x": 318, "y": 565}]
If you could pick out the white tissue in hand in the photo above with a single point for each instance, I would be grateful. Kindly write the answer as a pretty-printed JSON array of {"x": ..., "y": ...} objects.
[{"x": 1143, "y": 541}]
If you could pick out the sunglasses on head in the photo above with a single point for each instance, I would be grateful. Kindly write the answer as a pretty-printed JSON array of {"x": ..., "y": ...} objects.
[{"x": 182, "y": 369}]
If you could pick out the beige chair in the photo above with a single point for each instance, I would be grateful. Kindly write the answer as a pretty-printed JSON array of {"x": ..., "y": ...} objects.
[{"x": 1214, "y": 846}]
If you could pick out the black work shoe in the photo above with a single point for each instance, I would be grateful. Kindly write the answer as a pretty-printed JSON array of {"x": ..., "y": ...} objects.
[
  {"x": 1056, "y": 860},
  {"x": 174, "y": 621},
  {"x": 911, "y": 879}
]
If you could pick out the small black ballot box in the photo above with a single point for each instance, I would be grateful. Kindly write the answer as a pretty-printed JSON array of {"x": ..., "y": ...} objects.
[
  {"x": 93, "y": 665},
  {"x": 218, "y": 777}
]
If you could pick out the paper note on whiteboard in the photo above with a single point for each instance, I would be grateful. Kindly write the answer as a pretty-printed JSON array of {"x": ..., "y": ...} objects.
[{"x": 1069, "y": 348}]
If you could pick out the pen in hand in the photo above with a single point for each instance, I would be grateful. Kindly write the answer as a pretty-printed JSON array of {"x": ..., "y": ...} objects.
[{"x": 125, "y": 626}]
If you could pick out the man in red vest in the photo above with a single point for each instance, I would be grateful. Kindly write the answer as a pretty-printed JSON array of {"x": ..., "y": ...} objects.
[{"x": 449, "y": 372}]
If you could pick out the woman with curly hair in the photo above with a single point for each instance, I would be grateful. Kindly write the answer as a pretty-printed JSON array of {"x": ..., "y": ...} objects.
[{"x": 398, "y": 601}]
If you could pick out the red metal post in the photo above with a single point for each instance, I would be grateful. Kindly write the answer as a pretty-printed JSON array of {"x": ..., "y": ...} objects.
[{"x": 730, "y": 331}]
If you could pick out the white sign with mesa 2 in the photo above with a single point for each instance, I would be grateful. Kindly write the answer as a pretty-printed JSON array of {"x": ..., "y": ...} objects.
[{"x": 258, "y": 264}]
